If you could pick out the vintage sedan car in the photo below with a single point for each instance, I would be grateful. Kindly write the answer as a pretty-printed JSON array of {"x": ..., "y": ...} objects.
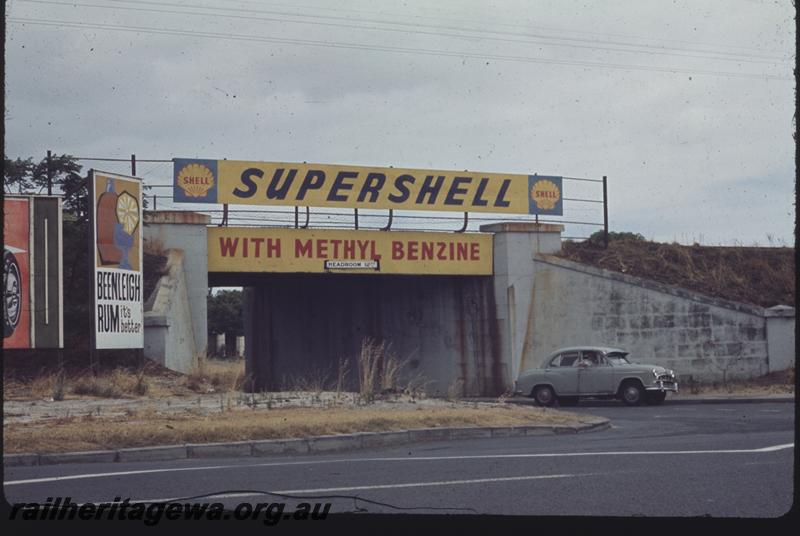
[{"x": 593, "y": 371}]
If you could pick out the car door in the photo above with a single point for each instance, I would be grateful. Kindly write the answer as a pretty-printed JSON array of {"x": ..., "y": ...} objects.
[
  {"x": 563, "y": 373},
  {"x": 598, "y": 378}
]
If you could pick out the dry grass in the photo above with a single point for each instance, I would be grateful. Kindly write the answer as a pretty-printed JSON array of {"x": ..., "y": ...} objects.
[
  {"x": 215, "y": 376},
  {"x": 119, "y": 382},
  {"x": 379, "y": 369},
  {"x": 149, "y": 428},
  {"x": 43, "y": 386},
  {"x": 775, "y": 383},
  {"x": 759, "y": 276}
]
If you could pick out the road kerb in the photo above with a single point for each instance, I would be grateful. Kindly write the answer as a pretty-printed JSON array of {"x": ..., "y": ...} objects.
[
  {"x": 327, "y": 443},
  {"x": 280, "y": 446},
  {"x": 473, "y": 432},
  {"x": 20, "y": 460},
  {"x": 91, "y": 456},
  {"x": 219, "y": 450},
  {"x": 428, "y": 434},
  {"x": 385, "y": 439},
  {"x": 508, "y": 431},
  {"x": 152, "y": 454}
]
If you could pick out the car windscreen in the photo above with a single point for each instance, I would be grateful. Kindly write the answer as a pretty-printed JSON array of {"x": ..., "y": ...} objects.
[{"x": 617, "y": 358}]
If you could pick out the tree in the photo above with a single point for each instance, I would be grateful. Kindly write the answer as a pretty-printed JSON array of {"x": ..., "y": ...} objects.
[
  {"x": 225, "y": 312},
  {"x": 17, "y": 175},
  {"x": 26, "y": 177}
]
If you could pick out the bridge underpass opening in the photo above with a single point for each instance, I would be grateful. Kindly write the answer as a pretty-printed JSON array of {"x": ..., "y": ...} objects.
[
  {"x": 299, "y": 326},
  {"x": 312, "y": 298}
]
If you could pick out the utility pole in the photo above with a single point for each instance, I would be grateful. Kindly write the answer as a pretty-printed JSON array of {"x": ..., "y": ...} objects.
[
  {"x": 605, "y": 210},
  {"x": 49, "y": 173}
]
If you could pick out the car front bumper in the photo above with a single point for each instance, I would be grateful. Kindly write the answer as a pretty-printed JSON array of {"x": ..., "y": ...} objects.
[{"x": 665, "y": 386}]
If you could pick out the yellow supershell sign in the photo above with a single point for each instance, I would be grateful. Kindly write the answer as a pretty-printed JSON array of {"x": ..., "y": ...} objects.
[
  {"x": 260, "y": 249},
  {"x": 342, "y": 186}
]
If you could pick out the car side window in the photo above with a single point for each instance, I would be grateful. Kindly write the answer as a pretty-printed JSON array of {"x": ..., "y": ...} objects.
[
  {"x": 590, "y": 358},
  {"x": 569, "y": 359}
]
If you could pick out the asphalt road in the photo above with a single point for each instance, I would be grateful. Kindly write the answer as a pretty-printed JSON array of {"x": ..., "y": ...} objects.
[{"x": 720, "y": 460}]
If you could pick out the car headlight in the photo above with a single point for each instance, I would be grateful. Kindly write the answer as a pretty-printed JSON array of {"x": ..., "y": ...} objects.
[{"x": 655, "y": 373}]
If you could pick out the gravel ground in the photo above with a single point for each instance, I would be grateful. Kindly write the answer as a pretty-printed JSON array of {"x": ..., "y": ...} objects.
[
  {"x": 16, "y": 411},
  {"x": 42, "y": 410}
]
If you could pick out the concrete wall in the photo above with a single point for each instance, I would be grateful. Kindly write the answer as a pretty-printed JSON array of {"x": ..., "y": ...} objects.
[
  {"x": 186, "y": 231},
  {"x": 169, "y": 337},
  {"x": 515, "y": 245},
  {"x": 300, "y": 325},
  {"x": 699, "y": 337},
  {"x": 474, "y": 332},
  {"x": 780, "y": 337}
]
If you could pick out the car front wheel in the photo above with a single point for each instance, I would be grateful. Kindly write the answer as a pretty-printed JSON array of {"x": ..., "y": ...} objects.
[
  {"x": 632, "y": 394},
  {"x": 544, "y": 395}
]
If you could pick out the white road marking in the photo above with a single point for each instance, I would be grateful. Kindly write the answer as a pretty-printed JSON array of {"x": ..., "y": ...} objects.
[
  {"x": 367, "y": 488},
  {"x": 401, "y": 459}
]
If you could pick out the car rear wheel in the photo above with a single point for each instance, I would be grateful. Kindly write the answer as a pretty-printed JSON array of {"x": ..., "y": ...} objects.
[
  {"x": 632, "y": 393},
  {"x": 655, "y": 398},
  {"x": 544, "y": 395}
]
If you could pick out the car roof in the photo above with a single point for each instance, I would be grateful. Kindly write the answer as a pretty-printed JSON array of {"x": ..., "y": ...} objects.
[{"x": 604, "y": 349}]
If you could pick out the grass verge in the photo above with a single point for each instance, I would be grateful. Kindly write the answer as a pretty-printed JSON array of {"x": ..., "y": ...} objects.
[
  {"x": 151, "y": 429},
  {"x": 125, "y": 381}
]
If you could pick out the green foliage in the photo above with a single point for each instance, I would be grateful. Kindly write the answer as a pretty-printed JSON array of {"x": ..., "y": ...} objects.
[
  {"x": 25, "y": 176},
  {"x": 225, "y": 312},
  {"x": 597, "y": 238},
  {"x": 17, "y": 175}
]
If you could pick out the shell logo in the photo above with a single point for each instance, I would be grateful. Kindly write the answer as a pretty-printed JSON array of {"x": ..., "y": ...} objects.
[
  {"x": 195, "y": 180},
  {"x": 545, "y": 194}
]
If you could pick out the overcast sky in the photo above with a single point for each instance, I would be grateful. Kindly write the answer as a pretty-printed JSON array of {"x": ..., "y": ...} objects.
[{"x": 686, "y": 106}]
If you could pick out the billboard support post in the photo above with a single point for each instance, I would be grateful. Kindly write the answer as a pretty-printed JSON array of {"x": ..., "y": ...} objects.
[{"x": 90, "y": 267}]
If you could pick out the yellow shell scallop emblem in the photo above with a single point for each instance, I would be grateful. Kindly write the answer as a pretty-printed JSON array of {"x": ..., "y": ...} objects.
[
  {"x": 128, "y": 212},
  {"x": 545, "y": 194},
  {"x": 195, "y": 180}
]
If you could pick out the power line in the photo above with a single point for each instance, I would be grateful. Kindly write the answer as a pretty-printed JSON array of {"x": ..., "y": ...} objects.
[
  {"x": 483, "y": 22},
  {"x": 662, "y": 51},
  {"x": 384, "y": 48},
  {"x": 117, "y": 159},
  {"x": 150, "y": 170},
  {"x": 374, "y": 21}
]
